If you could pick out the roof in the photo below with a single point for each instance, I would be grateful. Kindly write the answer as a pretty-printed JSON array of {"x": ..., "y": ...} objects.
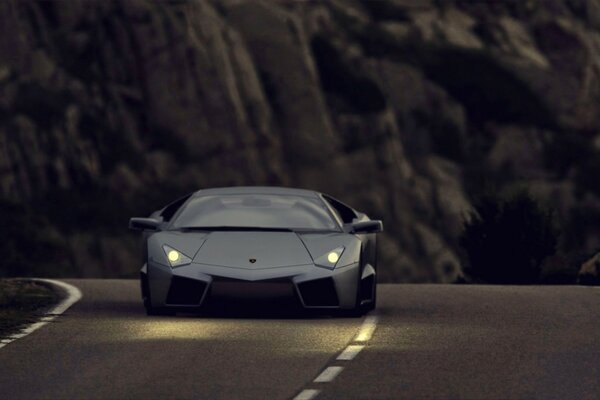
[{"x": 256, "y": 190}]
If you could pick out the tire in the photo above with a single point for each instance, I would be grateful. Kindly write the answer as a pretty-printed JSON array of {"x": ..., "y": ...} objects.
[
  {"x": 156, "y": 311},
  {"x": 362, "y": 309},
  {"x": 373, "y": 304},
  {"x": 356, "y": 312}
]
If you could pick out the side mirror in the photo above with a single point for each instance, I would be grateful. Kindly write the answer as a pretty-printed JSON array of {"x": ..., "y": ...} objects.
[
  {"x": 373, "y": 226},
  {"x": 144, "y": 224}
]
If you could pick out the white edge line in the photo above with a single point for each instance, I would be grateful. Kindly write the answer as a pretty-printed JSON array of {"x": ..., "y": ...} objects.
[
  {"x": 73, "y": 296},
  {"x": 307, "y": 394},
  {"x": 328, "y": 374}
]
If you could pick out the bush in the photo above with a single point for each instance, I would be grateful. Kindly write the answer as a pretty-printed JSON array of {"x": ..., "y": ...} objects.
[{"x": 506, "y": 240}]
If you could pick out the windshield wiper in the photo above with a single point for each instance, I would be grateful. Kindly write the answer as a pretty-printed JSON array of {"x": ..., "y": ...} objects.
[{"x": 234, "y": 229}]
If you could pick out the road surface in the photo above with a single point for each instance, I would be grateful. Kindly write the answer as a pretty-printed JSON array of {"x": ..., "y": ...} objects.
[{"x": 431, "y": 342}]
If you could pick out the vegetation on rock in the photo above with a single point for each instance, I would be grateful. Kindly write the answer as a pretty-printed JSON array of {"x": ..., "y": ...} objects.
[{"x": 507, "y": 240}]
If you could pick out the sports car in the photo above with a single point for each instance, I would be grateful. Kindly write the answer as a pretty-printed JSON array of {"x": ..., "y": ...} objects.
[{"x": 266, "y": 242}]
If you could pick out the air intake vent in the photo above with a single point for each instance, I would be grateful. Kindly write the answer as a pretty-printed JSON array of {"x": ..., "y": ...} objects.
[
  {"x": 184, "y": 291},
  {"x": 319, "y": 293},
  {"x": 366, "y": 288}
]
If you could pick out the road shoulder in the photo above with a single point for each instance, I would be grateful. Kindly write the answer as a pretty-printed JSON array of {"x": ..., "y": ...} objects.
[{"x": 28, "y": 304}]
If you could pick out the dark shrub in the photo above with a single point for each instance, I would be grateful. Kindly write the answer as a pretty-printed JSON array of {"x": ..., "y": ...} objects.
[
  {"x": 589, "y": 279},
  {"x": 507, "y": 240}
]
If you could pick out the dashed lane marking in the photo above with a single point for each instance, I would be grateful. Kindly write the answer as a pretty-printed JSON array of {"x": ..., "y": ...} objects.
[
  {"x": 365, "y": 333},
  {"x": 367, "y": 328},
  {"x": 350, "y": 352},
  {"x": 328, "y": 374},
  {"x": 307, "y": 394}
]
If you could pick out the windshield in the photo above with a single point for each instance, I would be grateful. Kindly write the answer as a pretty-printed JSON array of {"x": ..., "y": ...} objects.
[{"x": 256, "y": 211}]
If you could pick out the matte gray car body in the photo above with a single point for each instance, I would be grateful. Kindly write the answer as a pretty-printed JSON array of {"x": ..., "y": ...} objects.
[{"x": 259, "y": 260}]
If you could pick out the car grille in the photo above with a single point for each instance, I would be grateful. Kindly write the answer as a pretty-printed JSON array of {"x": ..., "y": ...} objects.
[{"x": 235, "y": 288}]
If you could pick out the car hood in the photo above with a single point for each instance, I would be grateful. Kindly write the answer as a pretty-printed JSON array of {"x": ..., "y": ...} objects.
[{"x": 253, "y": 250}]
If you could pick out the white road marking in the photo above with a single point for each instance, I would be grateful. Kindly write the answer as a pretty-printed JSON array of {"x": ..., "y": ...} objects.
[
  {"x": 73, "y": 296},
  {"x": 350, "y": 352},
  {"x": 307, "y": 394},
  {"x": 367, "y": 328},
  {"x": 328, "y": 374}
]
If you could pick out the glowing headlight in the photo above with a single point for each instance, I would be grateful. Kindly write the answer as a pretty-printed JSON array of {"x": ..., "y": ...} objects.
[
  {"x": 333, "y": 257},
  {"x": 175, "y": 257},
  {"x": 330, "y": 259}
]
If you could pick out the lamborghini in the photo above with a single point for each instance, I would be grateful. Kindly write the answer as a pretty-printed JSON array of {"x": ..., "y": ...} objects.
[{"x": 241, "y": 243}]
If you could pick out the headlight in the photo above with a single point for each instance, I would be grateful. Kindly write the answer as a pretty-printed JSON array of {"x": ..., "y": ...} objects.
[
  {"x": 175, "y": 257},
  {"x": 330, "y": 259}
]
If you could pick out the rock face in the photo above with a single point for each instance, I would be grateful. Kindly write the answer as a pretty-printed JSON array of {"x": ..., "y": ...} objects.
[{"x": 407, "y": 110}]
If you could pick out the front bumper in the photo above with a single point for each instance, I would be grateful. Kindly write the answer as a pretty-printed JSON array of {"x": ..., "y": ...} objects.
[{"x": 195, "y": 284}]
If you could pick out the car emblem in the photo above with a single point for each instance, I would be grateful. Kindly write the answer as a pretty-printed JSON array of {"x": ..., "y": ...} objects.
[{"x": 252, "y": 260}]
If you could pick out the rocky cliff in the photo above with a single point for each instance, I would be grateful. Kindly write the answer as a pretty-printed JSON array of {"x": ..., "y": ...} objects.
[{"x": 406, "y": 109}]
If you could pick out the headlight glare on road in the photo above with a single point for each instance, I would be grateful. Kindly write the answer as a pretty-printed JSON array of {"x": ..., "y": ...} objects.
[
  {"x": 175, "y": 257},
  {"x": 330, "y": 259}
]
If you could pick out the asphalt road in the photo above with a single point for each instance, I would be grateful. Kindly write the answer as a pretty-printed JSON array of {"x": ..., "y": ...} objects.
[{"x": 432, "y": 341}]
